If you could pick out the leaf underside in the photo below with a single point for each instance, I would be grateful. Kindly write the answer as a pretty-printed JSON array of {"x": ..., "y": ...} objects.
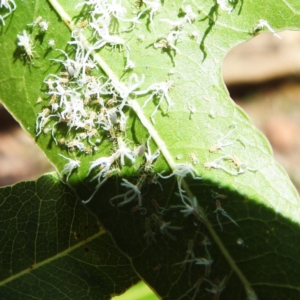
[
  {"x": 252, "y": 237},
  {"x": 51, "y": 247}
]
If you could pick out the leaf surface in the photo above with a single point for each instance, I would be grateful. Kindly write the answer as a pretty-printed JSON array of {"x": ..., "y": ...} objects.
[
  {"x": 51, "y": 247},
  {"x": 196, "y": 124}
]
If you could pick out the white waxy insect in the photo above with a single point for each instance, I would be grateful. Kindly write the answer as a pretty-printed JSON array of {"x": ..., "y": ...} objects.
[
  {"x": 70, "y": 166},
  {"x": 191, "y": 207},
  {"x": 189, "y": 17},
  {"x": 216, "y": 288},
  {"x": 46, "y": 130},
  {"x": 75, "y": 144},
  {"x": 25, "y": 41},
  {"x": 83, "y": 24},
  {"x": 153, "y": 7},
  {"x": 223, "y": 5},
  {"x": 133, "y": 193},
  {"x": 50, "y": 84},
  {"x": 51, "y": 43},
  {"x": 194, "y": 158},
  {"x": 150, "y": 158},
  {"x": 220, "y": 210},
  {"x": 82, "y": 135},
  {"x": 129, "y": 63},
  {"x": 111, "y": 102},
  {"x": 159, "y": 90},
  {"x": 168, "y": 43},
  {"x": 221, "y": 144},
  {"x": 44, "y": 118},
  {"x": 10, "y": 5},
  {"x": 240, "y": 242},
  {"x": 63, "y": 80},
  {"x": 190, "y": 256},
  {"x": 237, "y": 166},
  {"x": 181, "y": 171},
  {"x": 123, "y": 151},
  {"x": 212, "y": 165},
  {"x": 64, "y": 74},
  {"x": 39, "y": 100},
  {"x": 104, "y": 165},
  {"x": 37, "y": 21},
  {"x": 264, "y": 23},
  {"x": 140, "y": 150},
  {"x": 113, "y": 117},
  {"x": 165, "y": 227},
  {"x": 44, "y": 25},
  {"x": 91, "y": 133}
]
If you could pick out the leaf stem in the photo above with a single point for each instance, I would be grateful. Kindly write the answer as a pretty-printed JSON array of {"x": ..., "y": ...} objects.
[{"x": 62, "y": 13}]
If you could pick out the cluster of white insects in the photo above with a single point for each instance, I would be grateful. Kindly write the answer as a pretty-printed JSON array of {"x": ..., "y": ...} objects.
[
  {"x": 84, "y": 110},
  {"x": 229, "y": 163},
  {"x": 91, "y": 109},
  {"x": 215, "y": 287},
  {"x": 25, "y": 39}
]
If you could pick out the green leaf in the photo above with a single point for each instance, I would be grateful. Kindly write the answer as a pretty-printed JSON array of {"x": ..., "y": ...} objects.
[
  {"x": 52, "y": 247},
  {"x": 139, "y": 291},
  {"x": 252, "y": 246},
  {"x": 178, "y": 48}
]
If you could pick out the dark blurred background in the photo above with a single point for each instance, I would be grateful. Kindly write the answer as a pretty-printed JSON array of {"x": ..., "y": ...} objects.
[{"x": 262, "y": 76}]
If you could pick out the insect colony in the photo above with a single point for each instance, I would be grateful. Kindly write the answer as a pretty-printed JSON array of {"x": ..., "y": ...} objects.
[{"x": 93, "y": 109}]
